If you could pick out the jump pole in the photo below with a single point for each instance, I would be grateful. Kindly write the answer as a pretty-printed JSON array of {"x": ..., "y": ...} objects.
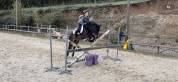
[
  {"x": 51, "y": 50},
  {"x": 108, "y": 43},
  {"x": 117, "y": 55},
  {"x": 92, "y": 45},
  {"x": 66, "y": 71},
  {"x": 116, "y": 58},
  {"x": 51, "y": 53}
]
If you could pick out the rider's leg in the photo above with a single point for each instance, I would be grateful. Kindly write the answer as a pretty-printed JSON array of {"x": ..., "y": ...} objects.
[
  {"x": 81, "y": 29},
  {"x": 78, "y": 30}
]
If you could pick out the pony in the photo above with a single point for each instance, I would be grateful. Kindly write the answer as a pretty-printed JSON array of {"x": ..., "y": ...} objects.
[{"x": 90, "y": 33}]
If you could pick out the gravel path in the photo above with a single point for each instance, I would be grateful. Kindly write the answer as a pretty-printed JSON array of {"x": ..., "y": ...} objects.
[{"x": 25, "y": 59}]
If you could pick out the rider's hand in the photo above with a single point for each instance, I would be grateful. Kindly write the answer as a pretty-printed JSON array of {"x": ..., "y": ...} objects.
[{"x": 81, "y": 16}]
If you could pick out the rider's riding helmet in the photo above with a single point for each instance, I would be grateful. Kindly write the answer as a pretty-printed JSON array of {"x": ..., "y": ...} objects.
[{"x": 86, "y": 12}]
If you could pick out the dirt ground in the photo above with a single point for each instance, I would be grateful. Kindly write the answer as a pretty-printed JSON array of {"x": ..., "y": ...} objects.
[{"x": 25, "y": 59}]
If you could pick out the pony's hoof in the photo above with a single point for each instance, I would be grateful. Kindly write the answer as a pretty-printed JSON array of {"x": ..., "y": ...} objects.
[{"x": 91, "y": 40}]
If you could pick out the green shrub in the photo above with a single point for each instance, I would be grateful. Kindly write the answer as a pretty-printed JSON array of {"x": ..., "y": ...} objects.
[
  {"x": 29, "y": 21},
  {"x": 7, "y": 20}
]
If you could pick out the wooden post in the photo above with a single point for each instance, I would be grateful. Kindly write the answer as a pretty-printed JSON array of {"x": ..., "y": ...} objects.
[
  {"x": 28, "y": 28},
  {"x": 14, "y": 28},
  {"x": 47, "y": 30},
  {"x": 16, "y": 13},
  {"x": 6, "y": 27},
  {"x": 39, "y": 30},
  {"x": 128, "y": 18},
  {"x": 118, "y": 36},
  {"x": 158, "y": 49}
]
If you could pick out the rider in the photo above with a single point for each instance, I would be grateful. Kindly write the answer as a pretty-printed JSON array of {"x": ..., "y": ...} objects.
[{"x": 83, "y": 20}]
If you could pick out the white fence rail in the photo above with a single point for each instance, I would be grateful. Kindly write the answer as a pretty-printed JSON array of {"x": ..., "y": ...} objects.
[{"x": 42, "y": 29}]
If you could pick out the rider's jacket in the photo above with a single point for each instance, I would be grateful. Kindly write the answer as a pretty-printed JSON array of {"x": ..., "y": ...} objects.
[{"x": 83, "y": 20}]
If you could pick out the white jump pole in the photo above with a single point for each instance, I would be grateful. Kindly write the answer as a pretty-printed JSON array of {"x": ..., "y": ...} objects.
[
  {"x": 51, "y": 50},
  {"x": 51, "y": 53},
  {"x": 66, "y": 71},
  {"x": 116, "y": 58},
  {"x": 107, "y": 44}
]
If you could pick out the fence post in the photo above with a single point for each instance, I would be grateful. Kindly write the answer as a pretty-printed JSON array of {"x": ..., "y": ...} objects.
[
  {"x": 20, "y": 27},
  {"x": 158, "y": 49},
  {"x": 15, "y": 28},
  {"x": 28, "y": 28},
  {"x": 6, "y": 27},
  {"x": 48, "y": 31},
  {"x": 38, "y": 28}
]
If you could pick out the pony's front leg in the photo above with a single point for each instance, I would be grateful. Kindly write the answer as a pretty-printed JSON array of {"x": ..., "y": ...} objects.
[
  {"x": 73, "y": 52},
  {"x": 69, "y": 47},
  {"x": 67, "y": 54}
]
